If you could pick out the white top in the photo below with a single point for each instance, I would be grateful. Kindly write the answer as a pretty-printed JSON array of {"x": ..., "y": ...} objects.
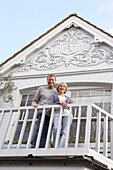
[{"x": 65, "y": 111}]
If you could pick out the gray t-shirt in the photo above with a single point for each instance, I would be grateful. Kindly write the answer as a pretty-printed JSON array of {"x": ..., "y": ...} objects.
[{"x": 43, "y": 95}]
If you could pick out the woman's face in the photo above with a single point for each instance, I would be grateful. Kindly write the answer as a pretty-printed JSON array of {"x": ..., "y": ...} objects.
[{"x": 61, "y": 88}]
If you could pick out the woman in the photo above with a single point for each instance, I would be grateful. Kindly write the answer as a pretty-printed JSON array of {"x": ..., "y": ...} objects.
[{"x": 63, "y": 100}]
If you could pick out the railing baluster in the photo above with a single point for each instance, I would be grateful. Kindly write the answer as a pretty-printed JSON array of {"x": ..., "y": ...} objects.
[
  {"x": 50, "y": 128},
  {"x": 105, "y": 138},
  {"x": 78, "y": 127},
  {"x": 68, "y": 127},
  {"x": 97, "y": 148},
  {"x": 59, "y": 128},
  {"x": 111, "y": 140},
  {"x": 88, "y": 127},
  {"x": 40, "y": 128},
  {"x": 14, "y": 129},
  {"x": 1, "y": 117},
  {"x": 23, "y": 129},
  {"x": 31, "y": 129},
  {"x": 7, "y": 126}
]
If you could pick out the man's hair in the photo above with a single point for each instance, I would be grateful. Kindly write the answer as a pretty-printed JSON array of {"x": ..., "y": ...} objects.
[{"x": 51, "y": 75}]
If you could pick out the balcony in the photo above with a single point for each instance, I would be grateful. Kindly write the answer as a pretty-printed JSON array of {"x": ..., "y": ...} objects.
[{"x": 89, "y": 136}]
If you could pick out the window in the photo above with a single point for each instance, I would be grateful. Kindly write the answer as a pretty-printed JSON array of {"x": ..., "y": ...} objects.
[
  {"x": 27, "y": 100},
  {"x": 101, "y": 97}
]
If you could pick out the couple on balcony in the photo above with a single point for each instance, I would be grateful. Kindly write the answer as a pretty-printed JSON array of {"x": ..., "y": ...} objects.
[{"x": 48, "y": 95}]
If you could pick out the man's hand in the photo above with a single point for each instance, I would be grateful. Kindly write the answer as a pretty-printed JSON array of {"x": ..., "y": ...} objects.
[
  {"x": 35, "y": 105},
  {"x": 63, "y": 104}
]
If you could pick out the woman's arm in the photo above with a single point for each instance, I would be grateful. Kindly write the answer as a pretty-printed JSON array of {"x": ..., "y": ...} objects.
[{"x": 54, "y": 100}]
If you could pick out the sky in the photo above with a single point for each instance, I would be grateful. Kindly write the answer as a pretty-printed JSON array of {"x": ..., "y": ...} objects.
[{"x": 22, "y": 21}]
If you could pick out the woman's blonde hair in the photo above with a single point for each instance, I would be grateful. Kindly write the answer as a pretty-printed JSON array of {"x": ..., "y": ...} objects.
[{"x": 57, "y": 88}]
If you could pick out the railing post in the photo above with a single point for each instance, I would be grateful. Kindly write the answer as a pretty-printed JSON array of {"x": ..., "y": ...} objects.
[
  {"x": 105, "y": 138},
  {"x": 88, "y": 126},
  {"x": 41, "y": 128},
  {"x": 1, "y": 117},
  {"x": 111, "y": 142},
  {"x": 111, "y": 124},
  {"x": 59, "y": 128},
  {"x": 7, "y": 126},
  {"x": 32, "y": 128},
  {"x": 50, "y": 127},
  {"x": 14, "y": 129},
  {"x": 68, "y": 127},
  {"x": 97, "y": 148},
  {"x": 78, "y": 127},
  {"x": 23, "y": 129}
]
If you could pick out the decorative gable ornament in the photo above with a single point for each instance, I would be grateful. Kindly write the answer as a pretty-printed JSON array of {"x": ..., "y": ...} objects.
[{"x": 71, "y": 49}]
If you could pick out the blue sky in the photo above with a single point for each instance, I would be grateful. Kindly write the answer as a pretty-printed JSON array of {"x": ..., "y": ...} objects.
[{"x": 22, "y": 21}]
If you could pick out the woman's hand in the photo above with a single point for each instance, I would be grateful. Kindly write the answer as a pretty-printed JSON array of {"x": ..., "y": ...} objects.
[
  {"x": 72, "y": 100},
  {"x": 63, "y": 104},
  {"x": 35, "y": 105}
]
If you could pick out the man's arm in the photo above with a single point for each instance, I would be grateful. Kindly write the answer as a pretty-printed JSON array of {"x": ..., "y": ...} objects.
[{"x": 36, "y": 98}]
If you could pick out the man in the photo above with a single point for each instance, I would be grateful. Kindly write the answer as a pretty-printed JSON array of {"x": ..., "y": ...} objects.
[{"x": 42, "y": 97}]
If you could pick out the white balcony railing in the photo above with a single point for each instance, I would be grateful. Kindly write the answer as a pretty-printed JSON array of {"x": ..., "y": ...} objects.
[{"x": 92, "y": 132}]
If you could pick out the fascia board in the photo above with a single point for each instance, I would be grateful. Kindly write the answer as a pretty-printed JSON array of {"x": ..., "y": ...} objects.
[{"x": 94, "y": 31}]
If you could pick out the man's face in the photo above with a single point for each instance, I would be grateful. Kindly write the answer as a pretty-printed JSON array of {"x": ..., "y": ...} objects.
[{"x": 51, "y": 81}]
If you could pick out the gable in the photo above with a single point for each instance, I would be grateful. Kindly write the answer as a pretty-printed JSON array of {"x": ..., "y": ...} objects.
[
  {"x": 74, "y": 49},
  {"x": 72, "y": 46}
]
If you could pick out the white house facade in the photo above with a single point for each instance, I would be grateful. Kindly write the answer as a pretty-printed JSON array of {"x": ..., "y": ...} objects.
[{"x": 81, "y": 55}]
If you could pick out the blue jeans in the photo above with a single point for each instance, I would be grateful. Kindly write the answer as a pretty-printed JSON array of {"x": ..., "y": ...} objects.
[
  {"x": 63, "y": 131},
  {"x": 44, "y": 131}
]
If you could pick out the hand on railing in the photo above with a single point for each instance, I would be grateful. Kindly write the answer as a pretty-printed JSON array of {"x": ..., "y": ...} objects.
[
  {"x": 35, "y": 105},
  {"x": 63, "y": 104}
]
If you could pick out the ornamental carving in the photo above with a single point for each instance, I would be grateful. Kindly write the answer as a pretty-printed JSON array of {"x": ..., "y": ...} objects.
[{"x": 71, "y": 49}]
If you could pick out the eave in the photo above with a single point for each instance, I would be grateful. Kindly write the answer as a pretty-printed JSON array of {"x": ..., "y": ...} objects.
[{"x": 85, "y": 161}]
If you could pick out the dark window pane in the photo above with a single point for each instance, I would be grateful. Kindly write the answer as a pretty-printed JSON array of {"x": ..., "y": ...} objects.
[
  {"x": 24, "y": 97},
  {"x": 31, "y": 96},
  {"x": 31, "y": 113},
  {"x": 23, "y": 102},
  {"x": 29, "y": 103}
]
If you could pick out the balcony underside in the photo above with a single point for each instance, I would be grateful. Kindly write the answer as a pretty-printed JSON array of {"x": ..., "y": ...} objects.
[{"x": 54, "y": 156}]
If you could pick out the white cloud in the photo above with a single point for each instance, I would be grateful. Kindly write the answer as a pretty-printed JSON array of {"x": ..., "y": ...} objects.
[
  {"x": 111, "y": 6},
  {"x": 102, "y": 6},
  {"x": 110, "y": 31},
  {"x": 106, "y": 6}
]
